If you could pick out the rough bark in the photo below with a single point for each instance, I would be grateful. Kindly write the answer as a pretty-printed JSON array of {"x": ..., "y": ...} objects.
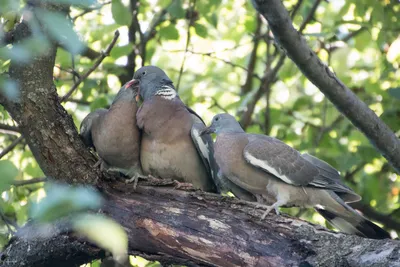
[
  {"x": 379, "y": 134},
  {"x": 49, "y": 130},
  {"x": 195, "y": 228}
]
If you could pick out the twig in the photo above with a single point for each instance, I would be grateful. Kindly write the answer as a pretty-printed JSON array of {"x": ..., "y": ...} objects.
[
  {"x": 133, "y": 28},
  {"x": 266, "y": 83},
  {"x": 296, "y": 8},
  {"x": 8, "y": 222},
  {"x": 96, "y": 64},
  {"x": 216, "y": 104},
  {"x": 11, "y": 146},
  {"x": 88, "y": 10},
  {"x": 248, "y": 84},
  {"x": 79, "y": 101},
  {"x": 9, "y": 128},
  {"x": 30, "y": 181},
  {"x": 348, "y": 176},
  {"x": 154, "y": 23},
  {"x": 309, "y": 16},
  {"x": 188, "y": 36}
]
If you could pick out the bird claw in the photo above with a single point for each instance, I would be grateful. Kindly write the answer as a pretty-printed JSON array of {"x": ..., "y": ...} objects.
[
  {"x": 183, "y": 186},
  {"x": 97, "y": 163},
  {"x": 269, "y": 210},
  {"x": 135, "y": 179}
]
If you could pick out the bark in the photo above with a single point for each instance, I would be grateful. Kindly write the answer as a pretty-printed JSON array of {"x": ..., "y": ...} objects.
[
  {"x": 49, "y": 130},
  {"x": 195, "y": 228},
  {"x": 379, "y": 134}
]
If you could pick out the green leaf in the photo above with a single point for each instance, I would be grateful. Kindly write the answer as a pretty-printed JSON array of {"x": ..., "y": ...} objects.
[
  {"x": 62, "y": 200},
  {"x": 8, "y": 173},
  {"x": 169, "y": 32},
  {"x": 121, "y": 51},
  {"x": 121, "y": 13},
  {"x": 104, "y": 232},
  {"x": 61, "y": 30},
  {"x": 250, "y": 24},
  {"x": 395, "y": 92},
  {"x": 367, "y": 153},
  {"x": 176, "y": 9},
  {"x": 213, "y": 19},
  {"x": 200, "y": 30},
  {"x": 34, "y": 170}
]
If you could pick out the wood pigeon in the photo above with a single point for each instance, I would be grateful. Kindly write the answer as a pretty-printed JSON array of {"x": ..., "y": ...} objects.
[
  {"x": 114, "y": 135},
  {"x": 171, "y": 147},
  {"x": 281, "y": 176}
]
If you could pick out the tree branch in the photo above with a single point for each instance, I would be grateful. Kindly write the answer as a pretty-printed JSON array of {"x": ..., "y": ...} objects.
[
  {"x": 195, "y": 228},
  {"x": 309, "y": 16},
  {"x": 9, "y": 128},
  {"x": 30, "y": 181},
  {"x": 188, "y": 36},
  {"x": 11, "y": 146},
  {"x": 266, "y": 83},
  {"x": 104, "y": 54},
  {"x": 248, "y": 84},
  {"x": 379, "y": 134}
]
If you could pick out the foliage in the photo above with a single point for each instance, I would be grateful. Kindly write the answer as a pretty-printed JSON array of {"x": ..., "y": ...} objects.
[{"x": 216, "y": 39}]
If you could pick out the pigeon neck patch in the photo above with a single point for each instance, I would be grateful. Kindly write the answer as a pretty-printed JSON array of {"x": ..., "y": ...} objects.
[{"x": 166, "y": 92}]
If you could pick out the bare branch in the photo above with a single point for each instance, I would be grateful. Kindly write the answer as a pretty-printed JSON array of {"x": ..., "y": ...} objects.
[
  {"x": 268, "y": 79},
  {"x": 190, "y": 24},
  {"x": 248, "y": 84},
  {"x": 105, "y": 54},
  {"x": 296, "y": 8},
  {"x": 319, "y": 74},
  {"x": 30, "y": 181},
  {"x": 309, "y": 16},
  {"x": 11, "y": 146},
  {"x": 9, "y": 128}
]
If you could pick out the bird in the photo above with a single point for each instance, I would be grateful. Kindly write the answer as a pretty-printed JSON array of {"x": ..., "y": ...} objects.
[
  {"x": 281, "y": 176},
  {"x": 114, "y": 135},
  {"x": 168, "y": 150}
]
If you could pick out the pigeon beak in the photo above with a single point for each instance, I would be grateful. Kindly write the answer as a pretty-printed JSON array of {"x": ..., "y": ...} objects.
[
  {"x": 207, "y": 130},
  {"x": 134, "y": 83}
]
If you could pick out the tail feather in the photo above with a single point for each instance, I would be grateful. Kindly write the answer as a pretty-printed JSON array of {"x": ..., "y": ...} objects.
[{"x": 354, "y": 224}]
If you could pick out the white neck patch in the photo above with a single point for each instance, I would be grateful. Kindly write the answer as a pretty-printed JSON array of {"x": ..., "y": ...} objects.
[{"x": 167, "y": 92}]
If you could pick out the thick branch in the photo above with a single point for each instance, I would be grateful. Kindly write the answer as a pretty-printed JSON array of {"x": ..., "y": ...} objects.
[
  {"x": 207, "y": 229},
  {"x": 342, "y": 97}
]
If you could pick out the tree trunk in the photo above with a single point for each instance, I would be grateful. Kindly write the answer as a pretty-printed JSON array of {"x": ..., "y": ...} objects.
[{"x": 195, "y": 228}]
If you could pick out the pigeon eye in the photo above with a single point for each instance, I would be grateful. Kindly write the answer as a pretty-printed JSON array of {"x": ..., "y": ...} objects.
[
  {"x": 144, "y": 73},
  {"x": 217, "y": 118}
]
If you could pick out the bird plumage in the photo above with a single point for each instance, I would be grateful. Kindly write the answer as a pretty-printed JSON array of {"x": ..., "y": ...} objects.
[
  {"x": 281, "y": 176},
  {"x": 167, "y": 147},
  {"x": 113, "y": 133}
]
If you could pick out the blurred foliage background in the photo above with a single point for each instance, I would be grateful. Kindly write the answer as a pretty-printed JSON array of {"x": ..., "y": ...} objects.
[{"x": 222, "y": 58}]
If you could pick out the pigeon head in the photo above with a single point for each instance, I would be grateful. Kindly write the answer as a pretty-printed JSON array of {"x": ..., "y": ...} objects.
[
  {"x": 223, "y": 123},
  {"x": 151, "y": 81}
]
